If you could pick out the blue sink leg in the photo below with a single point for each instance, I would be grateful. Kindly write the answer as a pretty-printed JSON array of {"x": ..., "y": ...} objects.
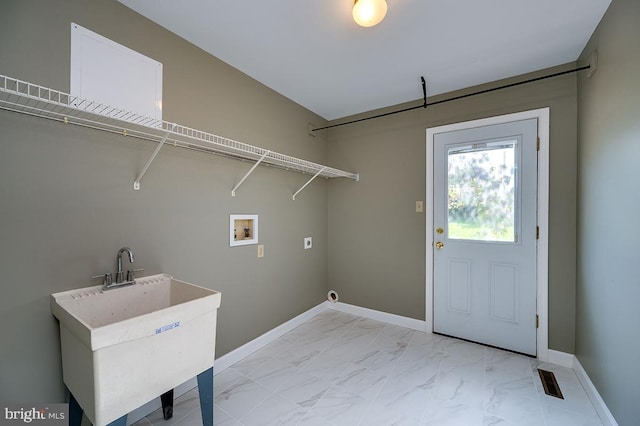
[
  {"x": 167, "y": 404},
  {"x": 75, "y": 411},
  {"x": 122, "y": 421},
  {"x": 205, "y": 389}
]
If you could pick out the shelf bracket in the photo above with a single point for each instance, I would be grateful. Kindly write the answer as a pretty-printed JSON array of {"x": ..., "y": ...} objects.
[
  {"x": 136, "y": 184},
  {"x": 308, "y": 182},
  {"x": 233, "y": 191}
]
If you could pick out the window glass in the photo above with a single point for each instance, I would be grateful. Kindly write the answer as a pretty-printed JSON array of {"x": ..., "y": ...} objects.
[{"x": 482, "y": 189}]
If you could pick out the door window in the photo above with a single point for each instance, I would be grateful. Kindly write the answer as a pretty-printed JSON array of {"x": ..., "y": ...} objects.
[{"x": 482, "y": 188}]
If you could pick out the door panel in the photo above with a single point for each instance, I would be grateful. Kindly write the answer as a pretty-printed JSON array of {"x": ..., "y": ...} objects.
[
  {"x": 504, "y": 292},
  {"x": 485, "y": 186},
  {"x": 459, "y": 283}
]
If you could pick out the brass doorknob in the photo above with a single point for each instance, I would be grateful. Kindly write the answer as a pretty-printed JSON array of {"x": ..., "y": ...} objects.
[{"x": 439, "y": 245}]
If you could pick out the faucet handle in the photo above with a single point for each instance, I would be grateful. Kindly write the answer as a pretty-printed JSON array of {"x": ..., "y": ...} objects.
[
  {"x": 107, "y": 278},
  {"x": 131, "y": 273}
]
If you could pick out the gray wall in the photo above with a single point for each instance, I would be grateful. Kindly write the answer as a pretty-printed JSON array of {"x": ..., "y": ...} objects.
[
  {"x": 67, "y": 203},
  {"x": 376, "y": 239},
  {"x": 608, "y": 291}
]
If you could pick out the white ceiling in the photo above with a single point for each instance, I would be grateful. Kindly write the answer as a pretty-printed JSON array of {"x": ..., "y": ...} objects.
[{"x": 313, "y": 53}]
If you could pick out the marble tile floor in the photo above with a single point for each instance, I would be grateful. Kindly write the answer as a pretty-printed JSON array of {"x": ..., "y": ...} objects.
[{"x": 340, "y": 369}]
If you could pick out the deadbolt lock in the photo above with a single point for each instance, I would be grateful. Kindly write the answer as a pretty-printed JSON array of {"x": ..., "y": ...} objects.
[
  {"x": 439, "y": 245},
  {"x": 439, "y": 230}
]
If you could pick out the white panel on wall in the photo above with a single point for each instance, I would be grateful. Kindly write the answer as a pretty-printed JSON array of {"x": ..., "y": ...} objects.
[{"x": 112, "y": 74}]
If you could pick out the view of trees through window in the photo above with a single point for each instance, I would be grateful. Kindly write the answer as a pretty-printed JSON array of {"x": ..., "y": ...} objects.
[{"x": 482, "y": 193}]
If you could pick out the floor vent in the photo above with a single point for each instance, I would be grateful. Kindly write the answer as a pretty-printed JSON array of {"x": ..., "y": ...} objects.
[{"x": 550, "y": 384}]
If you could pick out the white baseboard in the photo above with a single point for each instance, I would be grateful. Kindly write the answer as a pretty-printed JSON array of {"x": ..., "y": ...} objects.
[
  {"x": 247, "y": 349},
  {"x": 594, "y": 396},
  {"x": 394, "y": 319},
  {"x": 559, "y": 358}
]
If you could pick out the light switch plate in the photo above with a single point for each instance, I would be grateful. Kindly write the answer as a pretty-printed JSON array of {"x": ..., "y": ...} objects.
[
  {"x": 260, "y": 250},
  {"x": 419, "y": 206},
  {"x": 308, "y": 243}
]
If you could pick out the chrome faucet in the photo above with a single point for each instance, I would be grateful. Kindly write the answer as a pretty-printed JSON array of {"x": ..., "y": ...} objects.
[
  {"x": 120, "y": 280},
  {"x": 120, "y": 272}
]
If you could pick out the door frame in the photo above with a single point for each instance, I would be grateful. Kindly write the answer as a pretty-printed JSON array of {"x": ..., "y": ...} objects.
[{"x": 542, "y": 249}]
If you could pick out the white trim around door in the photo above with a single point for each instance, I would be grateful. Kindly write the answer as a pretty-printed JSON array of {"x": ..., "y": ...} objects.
[{"x": 542, "y": 266}]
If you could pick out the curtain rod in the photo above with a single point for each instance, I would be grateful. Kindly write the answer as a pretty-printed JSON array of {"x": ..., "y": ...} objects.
[{"x": 425, "y": 104}]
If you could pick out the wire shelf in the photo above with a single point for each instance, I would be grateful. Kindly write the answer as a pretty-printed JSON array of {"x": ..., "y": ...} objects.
[{"x": 39, "y": 101}]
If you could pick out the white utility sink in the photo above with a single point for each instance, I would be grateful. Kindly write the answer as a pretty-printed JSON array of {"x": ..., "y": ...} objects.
[{"x": 123, "y": 347}]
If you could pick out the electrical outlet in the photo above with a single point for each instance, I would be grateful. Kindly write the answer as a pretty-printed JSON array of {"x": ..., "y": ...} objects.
[
  {"x": 308, "y": 243},
  {"x": 419, "y": 206},
  {"x": 261, "y": 250}
]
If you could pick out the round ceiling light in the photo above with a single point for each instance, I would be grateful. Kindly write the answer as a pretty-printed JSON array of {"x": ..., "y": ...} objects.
[{"x": 368, "y": 13}]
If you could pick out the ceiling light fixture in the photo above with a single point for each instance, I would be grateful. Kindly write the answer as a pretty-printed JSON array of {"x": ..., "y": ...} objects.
[{"x": 368, "y": 13}]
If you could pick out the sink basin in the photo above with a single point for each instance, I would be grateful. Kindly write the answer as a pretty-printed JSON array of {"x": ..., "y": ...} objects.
[{"x": 122, "y": 348}]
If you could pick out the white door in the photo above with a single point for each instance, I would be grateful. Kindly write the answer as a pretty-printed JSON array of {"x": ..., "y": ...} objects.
[{"x": 484, "y": 276}]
